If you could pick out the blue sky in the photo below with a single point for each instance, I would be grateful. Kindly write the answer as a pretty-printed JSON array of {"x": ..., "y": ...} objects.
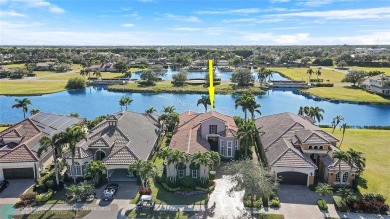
[{"x": 190, "y": 22}]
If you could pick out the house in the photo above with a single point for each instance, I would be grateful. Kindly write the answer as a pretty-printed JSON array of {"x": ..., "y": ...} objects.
[
  {"x": 379, "y": 84},
  {"x": 44, "y": 66},
  {"x": 118, "y": 141},
  {"x": 211, "y": 131},
  {"x": 19, "y": 144},
  {"x": 299, "y": 152},
  {"x": 104, "y": 67}
]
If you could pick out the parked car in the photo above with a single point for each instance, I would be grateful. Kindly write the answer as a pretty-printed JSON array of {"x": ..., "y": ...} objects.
[
  {"x": 4, "y": 184},
  {"x": 145, "y": 202},
  {"x": 110, "y": 191}
]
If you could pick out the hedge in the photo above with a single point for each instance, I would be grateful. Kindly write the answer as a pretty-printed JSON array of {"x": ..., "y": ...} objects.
[
  {"x": 28, "y": 196},
  {"x": 170, "y": 189},
  {"x": 322, "y": 204},
  {"x": 44, "y": 197}
]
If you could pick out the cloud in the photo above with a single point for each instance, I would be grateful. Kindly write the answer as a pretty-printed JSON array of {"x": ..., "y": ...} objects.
[
  {"x": 317, "y": 3},
  {"x": 231, "y": 11},
  {"x": 127, "y": 25},
  {"x": 186, "y": 29},
  {"x": 279, "y": 1},
  {"x": 355, "y": 14},
  {"x": 11, "y": 14},
  {"x": 56, "y": 10},
  {"x": 257, "y": 20},
  {"x": 182, "y": 18},
  {"x": 52, "y": 8},
  {"x": 134, "y": 15}
]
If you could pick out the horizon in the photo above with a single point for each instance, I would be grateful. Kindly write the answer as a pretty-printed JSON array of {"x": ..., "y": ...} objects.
[{"x": 194, "y": 23}]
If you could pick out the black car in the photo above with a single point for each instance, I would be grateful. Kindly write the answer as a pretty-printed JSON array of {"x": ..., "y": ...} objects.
[
  {"x": 3, "y": 184},
  {"x": 110, "y": 191}
]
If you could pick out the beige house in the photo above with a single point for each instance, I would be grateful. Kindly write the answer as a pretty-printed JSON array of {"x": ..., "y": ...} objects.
[
  {"x": 379, "y": 84},
  {"x": 19, "y": 144},
  {"x": 299, "y": 152}
]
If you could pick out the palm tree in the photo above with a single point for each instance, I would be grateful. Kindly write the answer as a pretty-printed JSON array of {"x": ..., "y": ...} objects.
[
  {"x": 72, "y": 136},
  {"x": 145, "y": 170},
  {"x": 128, "y": 75},
  {"x": 345, "y": 194},
  {"x": 56, "y": 145},
  {"x": 253, "y": 108},
  {"x": 248, "y": 132},
  {"x": 318, "y": 73},
  {"x": 310, "y": 72},
  {"x": 343, "y": 128},
  {"x": 22, "y": 103},
  {"x": 34, "y": 111},
  {"x": 151, "y": 110},
  {"x": 316, "y": 113},
  {"x": 246, "y": 102},
  {"x": 169, "y": 109},
  {"x": 336, "y": 121},
  {"x": 175, "y": 158},
  {"x": 324, "y": 189},
  {"x": 98, "y": 74},
  {"x": 341, "y": 156},
  {"x": 357, "y": 159},
  {"x": 94, "y": 169},
  {"x": 207, "y": 159},
  {"x": 205, "y": 100},
  {"x": 262, "y": 74},
  {"x": 125, "y": 101}
]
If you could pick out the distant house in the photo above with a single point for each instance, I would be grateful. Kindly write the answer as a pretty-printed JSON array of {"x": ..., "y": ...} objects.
[
  {"x": 118, "y": 141},
  {"x": 44, "y": 66},
  {"x": 104, "y": 67},
  {"x": 211, "y": 131},
  {"x": 379, "y": 84},
  {"x": 372, "y": 51},
  {"x": 299, "y": 152},
  {"x": 222, "y": 63},
  {"x": 19, "y": 144}
]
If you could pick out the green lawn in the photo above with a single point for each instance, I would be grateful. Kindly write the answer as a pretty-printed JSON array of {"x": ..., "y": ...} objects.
[
  {"x": 58, "y": 198},
  {"x": 14, "y": 65},
  {"x": 3, "y": 128},
  {"x": 160, "y": 214},
  {"x": 375, "y": 146},
  {"x": 385, "y": 70},
  {"x": 12, "y": 87},
  {"x": 53, "y": 214},
  {"x": 347, "y": 94},
  {"x": 268, "y": 216},
  {"x": 301, "y": 74}
]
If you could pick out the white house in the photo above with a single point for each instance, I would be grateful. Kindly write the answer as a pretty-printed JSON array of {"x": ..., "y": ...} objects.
[{"x": 379, "y": 84}]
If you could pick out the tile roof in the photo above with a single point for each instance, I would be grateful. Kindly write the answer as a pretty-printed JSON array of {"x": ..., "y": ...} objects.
[
  {"x": 123, "y": 156},
  {"x": 292, "y": 157},
  {"x": 308, "y": 136},
  {"x": 187, "y": 136},
  {"x": 19, "y": 154},
  {"x": 80, "y": 153}
]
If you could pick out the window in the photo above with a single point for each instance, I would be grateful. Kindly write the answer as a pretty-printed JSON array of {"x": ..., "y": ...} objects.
[
  {"x": 222, "y": 148},
  {"x": 229, "y": 149},
  {"x": 194, "y": 173},
  {"x": 315, "y": 147},
  {"x": 338, "y": 177},
  {"x": 212, "y": 129},
  {"x": 181, "y": 173},
  {"x": 77, "y": 169},
  {"x": 345, "y": 177},
  {"x": 321, "y": 147},
  {"x": 236, "y": 145},
  {"x": 310, "y": 147}
]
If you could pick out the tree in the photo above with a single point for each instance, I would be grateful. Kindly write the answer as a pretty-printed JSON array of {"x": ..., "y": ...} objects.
[
  {"x": 318, "y": 73},
  {"x": 169, "y": 109},
  {"x": 248, "y": 132},
  {"x": 357, "y": 159},
  {"x": 125, "y": 101},
  {"x": 345, "y": 194},
  {"x": 254, "y": 179},
  {"x": 204, "y": 100},
  {"x": 75, "y": 115},
  {"x": 263, "y": 74},
  {"x": 247, "y": 102},
  {"x": 174, "y": 158},
  {"x": 56, "y": 145},
  {"x": 336, "y": 121},
  {"x": 94, "y": 169},
  {"x": 242, "y": 76},
  {"x": 180, "y": 78},
  {"x": 145, "y": 170},
  {"x": 151, "y": 110},
  {"x": 343, "y": 128},
  {"x": 341, "y": 64},
  {"x": 316, "y": 113},
  {"x": 304, "y": 111},
  {"x": 122, "y": 67},
  {"x": 34, "y": 111},
  {"x": 85, "y": 71},
  {"x": 98, "y": 74},
  {"x": 310, "y": 72},
  {"x": 149, "y": 75},
  {"x": 170, "y": 120},
  {"x": 354, "y": 76},
  {"x": 207, "y": 159},
  {"x": 324, "y": 189},
  {"x": 341, "y": 156},
  {"x": 72, "y": 136},
  {"x": 22, "y": 103}
]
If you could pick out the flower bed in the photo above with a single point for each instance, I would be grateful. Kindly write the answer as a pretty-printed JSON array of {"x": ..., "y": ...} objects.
[{"x": 190, "y": 193}]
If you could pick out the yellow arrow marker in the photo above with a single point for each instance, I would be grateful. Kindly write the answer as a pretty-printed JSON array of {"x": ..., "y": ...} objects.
[{"x": 211, "y": 86}]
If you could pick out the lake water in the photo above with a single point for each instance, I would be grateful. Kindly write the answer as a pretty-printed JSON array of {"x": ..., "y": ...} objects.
[{"x": 93, "y": 102}]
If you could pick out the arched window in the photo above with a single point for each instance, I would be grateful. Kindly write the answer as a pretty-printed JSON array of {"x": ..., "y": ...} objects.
[
  {"x": 321, "y": 147},
  {"x": 316, "y": 147},
  {"x": 345, "y": 177},
  {"x": 77, "y": 169},
  {"x": 310, "y": 147},
  {"x": 338, "y": 177}
]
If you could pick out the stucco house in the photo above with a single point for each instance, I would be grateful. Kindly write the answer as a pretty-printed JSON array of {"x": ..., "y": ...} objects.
[
  {"x": 211, "y": 131},
  {"x": 118, "y": 141},
  {"x": 44, "y": 66},
  {"x": 19, "y": 144},
  {"x": 299, "y": 152},
  {"x": 379, "y": 84}
]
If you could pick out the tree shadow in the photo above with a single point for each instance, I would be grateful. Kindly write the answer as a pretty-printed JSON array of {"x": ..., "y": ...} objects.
[{"x": 362, "y": 182}]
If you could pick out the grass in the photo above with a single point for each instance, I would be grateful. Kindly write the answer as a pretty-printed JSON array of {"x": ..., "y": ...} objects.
[
  {"x": 322, "y": 204},
  {"x": 367, "y": 69},
  {"x": 340, "y": 204},
  {"x": 169, "y": 88},
  {"x": 3, "y": 128},
  {"x": 160, "y": 214},
  {"x": 10, "y": 87},
  {"x": 58, "y": 198},
  {"x": 375, "y": 146},
  {"x": 301, "y": 74},
  {"x": 268, "y": 216},
  {"x": 347, "y": 94},
  {"x": 14, "y": 65},
  {"x": 54, "y": 214}
]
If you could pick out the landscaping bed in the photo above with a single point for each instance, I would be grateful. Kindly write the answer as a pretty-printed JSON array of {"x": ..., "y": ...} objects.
[
  {"x": 160, "y": 214},
  {"x": 54, "y": 214}
]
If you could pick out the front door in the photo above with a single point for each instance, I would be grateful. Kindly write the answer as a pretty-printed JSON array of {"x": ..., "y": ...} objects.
[{"x": 213, "y": 141}]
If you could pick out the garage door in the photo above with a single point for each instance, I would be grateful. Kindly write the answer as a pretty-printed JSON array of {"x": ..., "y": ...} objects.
[
  {"x": 294, "y": 178},
  {"x": 18, "y": 173}
]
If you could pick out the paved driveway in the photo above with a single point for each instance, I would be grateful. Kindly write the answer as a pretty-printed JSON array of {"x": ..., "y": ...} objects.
[
  {"x": 16, "y": 187},
  {"x": 127, "y": 190}
]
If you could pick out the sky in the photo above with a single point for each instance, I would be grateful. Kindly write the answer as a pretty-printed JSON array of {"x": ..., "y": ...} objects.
[{"x": 194, "y": 22}]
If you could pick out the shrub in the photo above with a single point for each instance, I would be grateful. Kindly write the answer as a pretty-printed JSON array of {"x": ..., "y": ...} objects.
[
  {"x": 340, "y": 204},
  {"x": 50, "y": 184},
  {"x": 322, "y": 204},
  {"x": 370, "y": 203},
  {"x": 212, "y": 175},
  {"x": 144, "y": 191},
  {"x": 170, "y": 189},
  {"x": 188, "y": 182},
  {"x": 75, "y": 83},
  {"x": 40, "y": 188},
  {"x": 373, "y": 196},
  {"x": 323, "y": 85},
  {"x": 275, "y": 203},
  {"x": 29, "y": 196},
  {"x": 45, "y": 197},
  {"x": 257, "y": 203}
]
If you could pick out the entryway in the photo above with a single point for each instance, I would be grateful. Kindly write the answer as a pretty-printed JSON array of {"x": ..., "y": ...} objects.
[{"x": 120, "y": 175}]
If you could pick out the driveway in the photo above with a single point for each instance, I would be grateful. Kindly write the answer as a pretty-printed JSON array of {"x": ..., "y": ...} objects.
[
  {"x": 127, "y": 190},
  {"x": 10, "y": 195}
]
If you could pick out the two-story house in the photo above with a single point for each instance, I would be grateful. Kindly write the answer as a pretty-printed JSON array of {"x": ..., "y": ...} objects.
[
  {"x": 211, "y": 131},
  {"x": 379, "y": 84},
  {"x": 299, "y": 152}
]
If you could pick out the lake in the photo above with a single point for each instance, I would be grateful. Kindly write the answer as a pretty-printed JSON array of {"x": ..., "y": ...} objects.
[{"x": 95, "y": 101}]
